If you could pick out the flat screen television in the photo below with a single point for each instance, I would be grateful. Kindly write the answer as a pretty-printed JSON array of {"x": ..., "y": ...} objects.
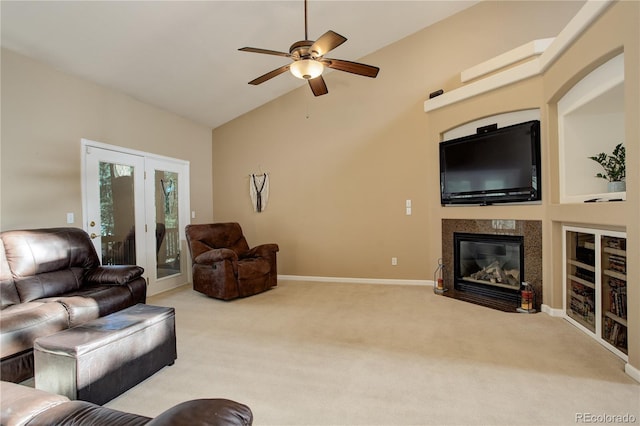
[{"x": 492, "y": 166}]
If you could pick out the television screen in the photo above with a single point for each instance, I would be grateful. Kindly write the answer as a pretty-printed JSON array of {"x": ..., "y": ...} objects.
[{"x": 496, "y": 166}]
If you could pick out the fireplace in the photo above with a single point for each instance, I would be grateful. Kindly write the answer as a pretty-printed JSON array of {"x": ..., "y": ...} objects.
[
  {"x": 493, "y": 294},
  {"x": 489, "y": 265}
]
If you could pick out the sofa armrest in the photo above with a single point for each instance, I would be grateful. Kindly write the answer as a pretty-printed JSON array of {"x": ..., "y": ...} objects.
[
  {"x": 216, "y": 255},
  {"x": 113, "y": 274},
  {"x": 86, "y": 413},
  {"x": 263, "y": 250},
  {"x": 211, "y": 412},
  {"x": 21, "y": 403}
]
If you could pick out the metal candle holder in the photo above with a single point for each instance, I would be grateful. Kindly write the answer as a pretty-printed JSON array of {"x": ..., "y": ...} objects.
[
  {"x": 527, "y": 299},
  {"x": 438, "y": 278}
]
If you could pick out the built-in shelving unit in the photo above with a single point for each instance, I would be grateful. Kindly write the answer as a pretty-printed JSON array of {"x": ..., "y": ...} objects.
[
  {"x": 595, "y": 265},
  {"x": 590, "y": 121}
]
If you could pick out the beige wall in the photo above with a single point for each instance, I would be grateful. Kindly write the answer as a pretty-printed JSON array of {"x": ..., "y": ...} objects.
[
  {"x": 45, "y": 113},
  {"x": 342, "y": 165},
  {"x": 615, "y": 31}
]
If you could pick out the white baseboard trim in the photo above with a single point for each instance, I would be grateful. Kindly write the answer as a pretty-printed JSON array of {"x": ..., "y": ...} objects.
[
  {"x": 384, "y": 281},
  {"x": 554, "y": 312},
  {"x": 633, "y": 372}
]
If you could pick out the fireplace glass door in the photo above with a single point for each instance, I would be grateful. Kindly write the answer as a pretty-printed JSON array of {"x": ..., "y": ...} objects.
[{"x": 489, "y": 264}]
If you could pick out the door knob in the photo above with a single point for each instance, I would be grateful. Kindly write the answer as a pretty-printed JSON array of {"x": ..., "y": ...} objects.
[{"x": 93, "y": 235}]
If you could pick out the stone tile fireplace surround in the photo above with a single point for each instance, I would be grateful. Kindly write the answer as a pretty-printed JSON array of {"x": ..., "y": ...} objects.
[{"x": 531, "y": 230}]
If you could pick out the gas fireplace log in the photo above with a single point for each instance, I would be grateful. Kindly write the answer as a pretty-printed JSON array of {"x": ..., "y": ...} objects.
[{"x": 496, "y": 274}]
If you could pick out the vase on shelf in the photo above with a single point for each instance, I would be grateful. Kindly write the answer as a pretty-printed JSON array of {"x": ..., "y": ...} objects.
[{"x": 616, "y": 186}]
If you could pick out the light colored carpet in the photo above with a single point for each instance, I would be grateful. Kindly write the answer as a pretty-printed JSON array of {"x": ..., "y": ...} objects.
[{"x": 355, "y": 354}]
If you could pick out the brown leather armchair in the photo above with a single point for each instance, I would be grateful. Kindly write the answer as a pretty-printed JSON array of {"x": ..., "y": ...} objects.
[{"x": 224, "y": 267}]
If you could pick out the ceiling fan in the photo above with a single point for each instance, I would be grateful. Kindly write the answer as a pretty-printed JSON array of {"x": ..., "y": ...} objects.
[{"x": 309, "y": 61}]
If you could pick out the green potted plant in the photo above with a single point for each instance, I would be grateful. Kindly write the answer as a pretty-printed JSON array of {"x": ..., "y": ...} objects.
[{"x": 614, "y": 168}]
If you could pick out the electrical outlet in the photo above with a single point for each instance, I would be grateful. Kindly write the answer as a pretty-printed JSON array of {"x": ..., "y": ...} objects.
[{"x": 394, "y": 261}]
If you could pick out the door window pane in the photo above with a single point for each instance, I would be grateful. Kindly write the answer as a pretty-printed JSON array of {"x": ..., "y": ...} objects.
[
  {"x": 167, "y": 223},
  {"x": 117, "y": 214}
]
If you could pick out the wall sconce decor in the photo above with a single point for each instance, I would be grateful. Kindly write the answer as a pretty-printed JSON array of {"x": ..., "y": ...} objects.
[{"x": 259, "y": 191}]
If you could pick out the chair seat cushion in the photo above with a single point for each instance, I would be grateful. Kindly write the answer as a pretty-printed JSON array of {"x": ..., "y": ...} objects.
[{"x": 252, "y": 268}]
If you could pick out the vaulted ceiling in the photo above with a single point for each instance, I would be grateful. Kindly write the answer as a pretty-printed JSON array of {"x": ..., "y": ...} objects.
[{"x": 183, "y": 55}]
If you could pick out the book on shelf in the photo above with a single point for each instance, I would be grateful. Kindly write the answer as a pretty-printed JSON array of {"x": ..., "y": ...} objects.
[
  {"x": 615, "y": 333},
  {"x": 581, "y": 289},
  {"x": 615, "y": 243},
  {"x": 583, "y": 305},
  {"x": 616, "y": 283},
  {"x": 617, "y": 263},
  {"x": 585, "y": 274},
  {"x": 618, "y": 301}
]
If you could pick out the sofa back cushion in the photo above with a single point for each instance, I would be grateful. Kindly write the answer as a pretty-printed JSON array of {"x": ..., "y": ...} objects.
[
  {"x": 8, "y": 292},
  {"x": 48, "y": 262},
  {"x": 202, "y": 238}
]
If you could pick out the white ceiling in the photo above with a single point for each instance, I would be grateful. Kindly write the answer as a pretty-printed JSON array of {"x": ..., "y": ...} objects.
[{"x": 183, "y": 55}]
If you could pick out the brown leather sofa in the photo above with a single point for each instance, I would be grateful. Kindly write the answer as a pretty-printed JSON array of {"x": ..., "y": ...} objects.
[
  {"x": 51, "y": 280},
  {"x": 224, "y": 266},
  {"x": 22, "y": 405}
]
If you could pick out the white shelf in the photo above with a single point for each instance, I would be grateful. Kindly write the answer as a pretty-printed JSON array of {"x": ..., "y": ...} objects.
[
  {"x": 541, "y": 53},
  {"x": 581, "y": 265},
  {"x": 581, "y": 281}
]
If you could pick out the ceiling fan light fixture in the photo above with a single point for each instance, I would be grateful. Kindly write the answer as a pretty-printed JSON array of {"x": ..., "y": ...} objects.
[{"x": 306, "y": 69}]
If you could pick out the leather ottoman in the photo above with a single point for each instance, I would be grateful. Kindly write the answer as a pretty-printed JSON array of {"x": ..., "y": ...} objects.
[{"x": 103, "y": 358}]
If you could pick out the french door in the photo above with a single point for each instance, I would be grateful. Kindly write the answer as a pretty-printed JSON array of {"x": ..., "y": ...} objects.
[
  {"x": 135, "y": 210},
  {"x": 166, "y": 190}
]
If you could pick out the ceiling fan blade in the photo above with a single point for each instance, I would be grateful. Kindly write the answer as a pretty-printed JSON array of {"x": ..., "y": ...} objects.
[
  {"x": 327, "y": 42},
  {"x": 352, "y": 67},
  {"x": 269, "y": 75},
  {"x": 265, "y": 51},
  {"x": 318, "y": 86}
]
